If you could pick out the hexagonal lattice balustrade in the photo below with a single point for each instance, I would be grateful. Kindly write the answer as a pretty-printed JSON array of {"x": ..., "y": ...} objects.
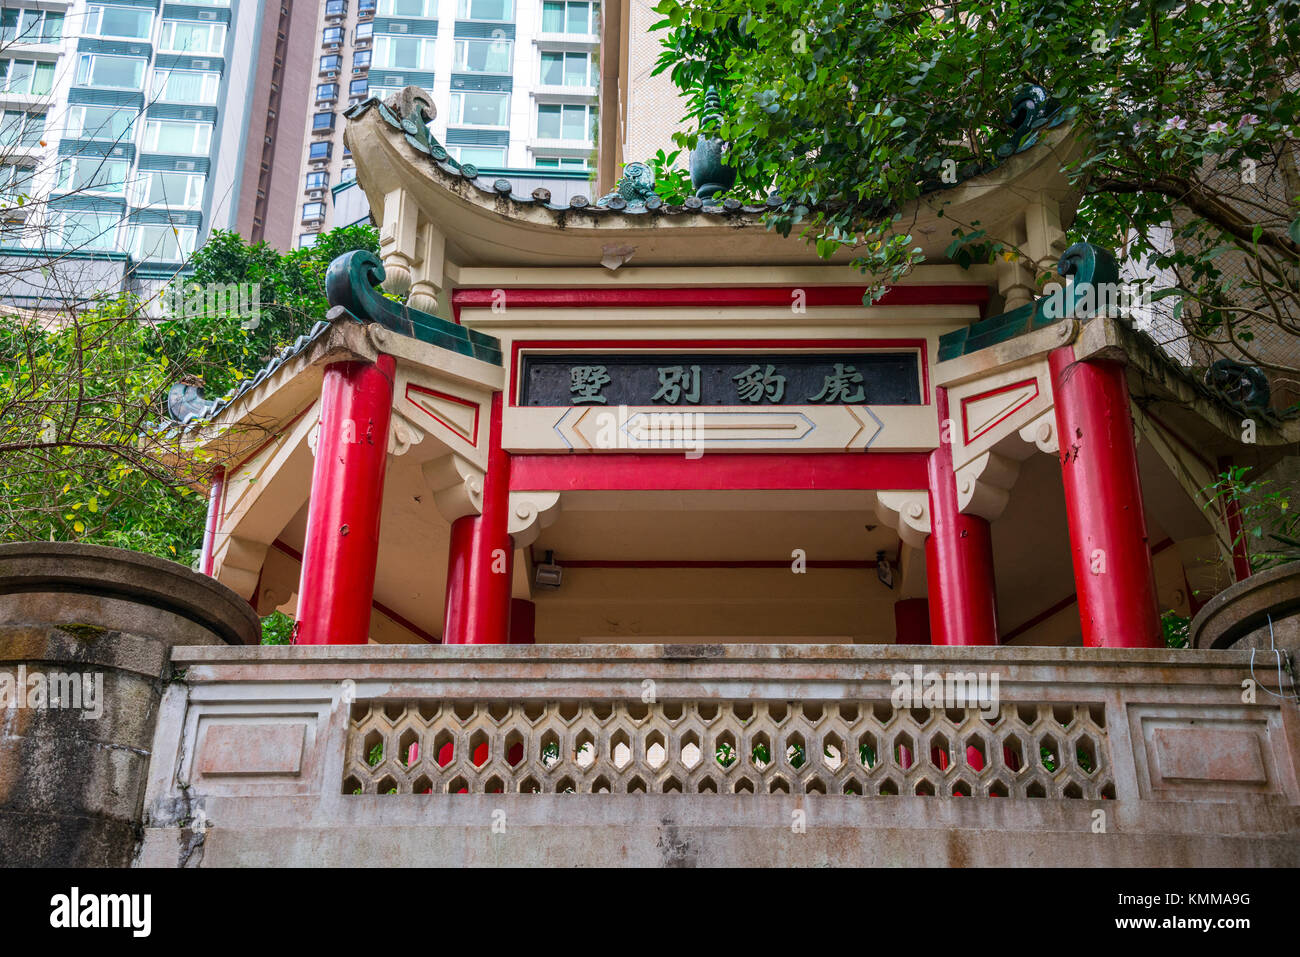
[{"x": 1044, "y": 750}]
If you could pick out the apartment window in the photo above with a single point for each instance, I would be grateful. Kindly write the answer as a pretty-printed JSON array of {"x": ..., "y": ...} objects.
[
  {"x": 327, "y": 91},
  {"x": 332, "y": 36},
  {"x": 407, "y": 8},
  {"x": 177, "y": 136},
  {"x": 93, "y": 174},
  {"x": 403, "y": 53},
  {"x": 558, "y": 17},
  {"x": 484, "y": 56},
  {"x": 493, "y": 156},
  {"x": 480, "y": 109},
  {"x": 560, "y": 162},
  {"x": 335, "y": 8},
  {"x": 321, "y": 150},
  {"x": 486, "y": 10},
  {"x": 26, "y": 76},
  {"x": 317, "y": 180},
  {"x": 21, "y": 129},
  {"x": 171, "y": 190},
  {"x": 15, "y": 181},
  {"x": 363, "y": 32},
  {"x": 331, "y": 61},
  {"x": 567, "y": 69},
  {"x": 116, "y": 72},
  {"x": 322, "y": 122},
  {"x": 162, "y": 242},
  {"x": 360, "y": 59},
  {"x": 87, "y": 229},
  {"x": 565, "y": 122},
  {"x": 186, "y": 36},
  {"x": 135, "y": 23},
  {"x": 185, "y": 86},
  {"x": 30, "y": 26},
  {"x": 313, "y": 211},
  {"x": 358, "y": 87},
  {"x": 306, "y": 240},
  {"x": 365, "y": 8},
  {"x": 104, "y": 123},
  {"x": 348, "y": 174}
]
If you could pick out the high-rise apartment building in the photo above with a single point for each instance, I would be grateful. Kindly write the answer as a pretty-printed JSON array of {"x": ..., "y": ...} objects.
[
  {"x": 514, "y": 83},
  {"x": 126, "y": 135}
]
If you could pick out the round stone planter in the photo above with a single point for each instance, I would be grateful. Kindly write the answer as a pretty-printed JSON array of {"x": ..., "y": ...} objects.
[
  {"x": 1238, "y": 617},
  {"x": 86, "y": 634}
]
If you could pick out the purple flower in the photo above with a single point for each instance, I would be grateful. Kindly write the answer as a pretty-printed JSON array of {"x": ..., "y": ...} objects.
[
  {"x": 1250, "y": 119},
  {"x": 1218, "y": 127},
  {"x": 1175, "y": 123}
]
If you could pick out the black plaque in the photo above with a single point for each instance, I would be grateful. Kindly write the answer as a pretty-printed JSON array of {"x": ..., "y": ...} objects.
[{"x": 717, "y": 379}]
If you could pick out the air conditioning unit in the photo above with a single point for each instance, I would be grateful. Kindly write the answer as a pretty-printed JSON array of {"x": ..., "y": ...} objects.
[
  {"x": 193, "y": 114},
  {"x": 315, "y": 193},
  {"x": 201, "y": 65},
  {"x": 207, "y": 15},
  {"x": 185, "y": 164},
  {"x": 329, "y": 72},
  {"x": 397, "y": 27}
]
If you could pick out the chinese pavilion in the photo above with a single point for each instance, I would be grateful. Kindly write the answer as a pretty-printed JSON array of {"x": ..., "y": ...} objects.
[{"x": 644, "y": 423}]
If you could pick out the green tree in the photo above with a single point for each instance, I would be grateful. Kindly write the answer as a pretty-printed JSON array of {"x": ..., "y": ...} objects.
[
  {"x": 80, "y": 456},
  {"x": 850, "y": 111},
  {"x": 224, "y": 347}
]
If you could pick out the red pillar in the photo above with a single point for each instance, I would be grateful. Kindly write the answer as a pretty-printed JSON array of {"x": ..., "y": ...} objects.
[
  {"x": 912, "y": 621},
  {"x": 958, "y": 559},
  {"x": 1103, "y": 504},
  {"x": 523, "y": 621},
  {"x": 1232, "y": 512},
  {"x": 481, "y": 556},
  {"x": 216, "y": 492},
  {"x": 347, "y": 491}
]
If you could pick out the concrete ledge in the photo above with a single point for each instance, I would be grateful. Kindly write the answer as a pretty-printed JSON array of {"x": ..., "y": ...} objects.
[
  {"x": 1239, "y": 616},
  {"x": 741, "y": 831}
]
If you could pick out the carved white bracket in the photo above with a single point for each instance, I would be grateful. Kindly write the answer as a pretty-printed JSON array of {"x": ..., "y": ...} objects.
[
  {"x": 397, "y": 235},
  {"x": 1042, "y": 433},
  {"x": 457, "y": 486},
  {"x": 402, "y": 433},
  {"x": 984, "y": 485},
  {"x": 313, "y": 436},
  {"x": 530, "y": 512},
  {"x": 908, "y": 512}
]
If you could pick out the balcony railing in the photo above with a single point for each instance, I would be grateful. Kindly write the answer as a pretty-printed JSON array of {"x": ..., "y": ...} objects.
[{"x": 342, "y": 751}]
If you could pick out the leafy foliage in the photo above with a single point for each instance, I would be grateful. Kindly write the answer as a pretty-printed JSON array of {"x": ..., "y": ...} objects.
[
  {"x": 79, "y": 460},
  {"x": 277, "y": 629},
  {"x": 850, "y": 112},
  {"x": 672, "y": 184},
  {"x": 223, "y": 347},
  {"x": 1270, "y": 528}
]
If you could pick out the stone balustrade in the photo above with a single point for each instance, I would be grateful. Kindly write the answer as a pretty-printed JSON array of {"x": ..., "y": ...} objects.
[{"x": 654, "y": 754}]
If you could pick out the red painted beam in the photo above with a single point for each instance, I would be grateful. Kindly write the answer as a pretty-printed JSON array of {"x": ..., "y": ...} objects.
[
  {"x": 1103, "y": 504},
  {"x": 644, "y": 471},
  {"x": 336, "y": 590},
  {"x": 958, "y": 558},
  {"x": 960, "y": 294}
]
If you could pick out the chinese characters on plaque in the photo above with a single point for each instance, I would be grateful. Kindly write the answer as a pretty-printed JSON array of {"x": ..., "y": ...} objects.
[{"x": 742, "y": 379}]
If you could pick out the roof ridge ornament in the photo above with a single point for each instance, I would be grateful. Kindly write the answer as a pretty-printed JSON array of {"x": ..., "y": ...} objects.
[
  {"x": 709, "y": 174},
  {"x": 350, "y": 290}
]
